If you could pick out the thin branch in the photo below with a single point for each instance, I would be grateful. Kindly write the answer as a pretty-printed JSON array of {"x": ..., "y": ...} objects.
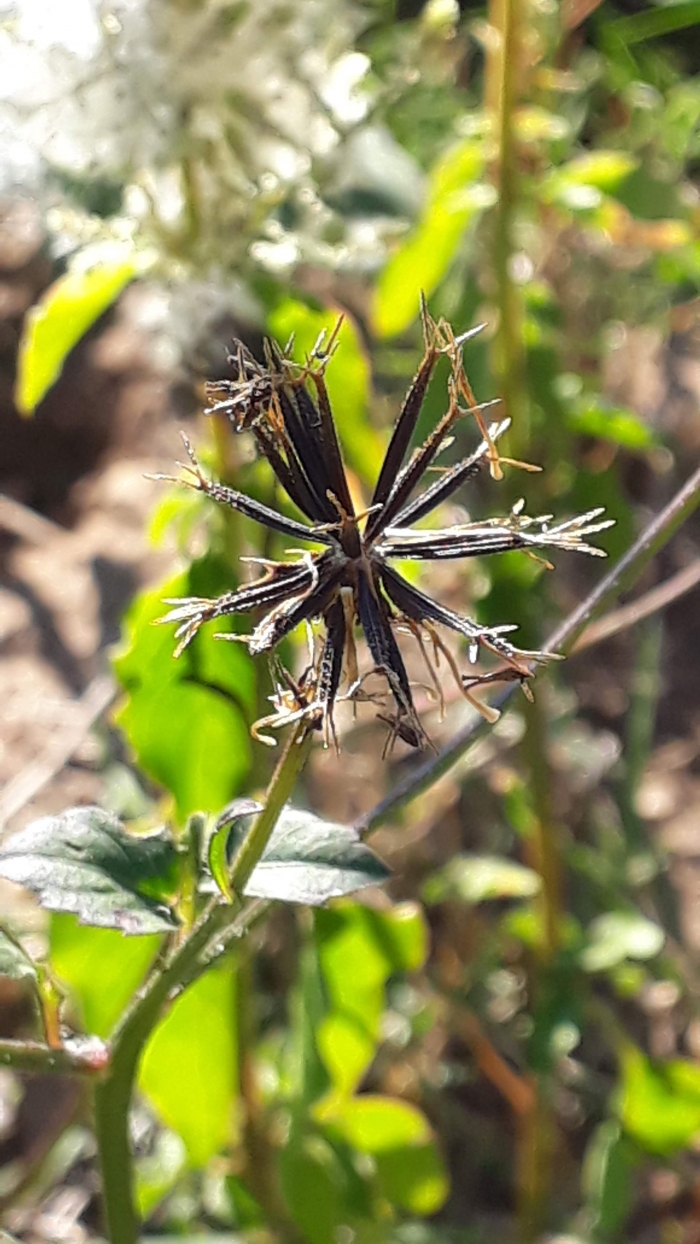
[
  {"x": 82, "y": 1056},
  {"x": 617, "y": 580},
  {"x": 660, "y": 597}
]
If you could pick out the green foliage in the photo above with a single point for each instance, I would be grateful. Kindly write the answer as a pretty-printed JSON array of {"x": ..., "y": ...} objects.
[
  {"x": 84, "y": 861},
  {"x": 455, "y": 197},
  {"x": 188, "y": 1069},
  {"x": 477, "y": 878},
  {"x": 101, "y": 968},
  {"x": 306, "y": 859},
  {"x": 618, "y": 935},
  {"x": 65, "y": 313},
  {"x": 309, "y": 860},
  {"x": 609, "y": 1166},
  {"x": 186, "y": 719},
  {"x": 659, "y": 1101},
  {"x": 410, "y": 1172},
  {"x": 14, "y": 962},
  {"x": 359, "y": 949},
  {"x": 580, "y": 231}
]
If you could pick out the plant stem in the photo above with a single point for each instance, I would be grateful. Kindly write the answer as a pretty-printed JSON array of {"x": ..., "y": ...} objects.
[
  {"x": 545, "y": 846},
  {"x": 113, "y": 1095},
  {"x": 87, "y": 1057},
  {"x": 621, "y": 577},
  {"x": 281, "y": 786},
  {"x": 503, "y": 72}
]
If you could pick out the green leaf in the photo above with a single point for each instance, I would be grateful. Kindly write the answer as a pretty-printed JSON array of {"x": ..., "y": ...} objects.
[
  {"x": 101, "y": 968},
  {"x": 190, "y": 740},
  {"x": 660, "y": 1101},
  {"x": 399, "y": 1138},
  {"x": 15, "y": 962},
  {"x": 359, "y": 950},
  {"x": 660, "y": 20},
  {"x": 218, "y": 854},
  {"x": 347, "y": 376},
  {"x": 314, "y": 1186},
  {"x": 610, "y": 423},
  {"x": 186, "y": 718},
  {"x": 478, "y": 878},
  {"x": 603, "y": 169},
  {"x": 84, "y": 861},
  {"x": 308, "y": 860},
  {"x": 188, "y": 1070},
  {"x": 455, "y": 198},
  {"x": 608, "y": 1167},
  {"x": 619, "y": 935},
  {"x": 66, "y": 311}
]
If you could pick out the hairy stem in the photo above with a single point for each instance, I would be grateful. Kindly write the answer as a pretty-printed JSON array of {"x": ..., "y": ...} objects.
[{"x": 113, "y": 1094}]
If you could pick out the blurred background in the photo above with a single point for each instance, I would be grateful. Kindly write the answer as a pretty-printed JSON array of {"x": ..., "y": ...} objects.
[{"x": 514, "y": 1022}]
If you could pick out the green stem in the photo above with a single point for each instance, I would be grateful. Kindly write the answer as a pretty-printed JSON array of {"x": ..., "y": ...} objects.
[
  {"x": 281, "y": 787},
  {"x": 506, "y": 17},
  {"x": 113, "y": 1095},
  {"x": 87, "y": 1057},
  {"x": 545, "y": 839}
]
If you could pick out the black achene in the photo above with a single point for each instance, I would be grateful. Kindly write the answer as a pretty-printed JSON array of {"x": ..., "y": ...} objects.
[{"x": 352, "y": 579}]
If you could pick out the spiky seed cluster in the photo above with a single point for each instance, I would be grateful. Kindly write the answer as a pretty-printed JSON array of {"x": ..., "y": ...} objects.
[{"x": 352, "y": 579}]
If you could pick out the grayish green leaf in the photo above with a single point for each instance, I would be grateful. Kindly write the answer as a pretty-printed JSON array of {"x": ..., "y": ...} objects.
[
  {"x": 14, "y": 962},
  {"x": 84, "y": 861},
  {"x": 619, "y": 935},
  {"x": 308, "y": 860},
  {"x": 478, "y": 878}
]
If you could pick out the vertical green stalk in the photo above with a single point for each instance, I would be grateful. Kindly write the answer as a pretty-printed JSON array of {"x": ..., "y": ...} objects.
[
  {"x": 502, "y": 84},
  {"x": 537, "y": 1139},
  {"x": 538, "y": 1131},
  {"x": 544, "y": 843},
  {"x": 112, "y": 1096}
]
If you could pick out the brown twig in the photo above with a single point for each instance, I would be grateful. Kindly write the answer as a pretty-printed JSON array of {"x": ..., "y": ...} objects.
[
  {"x": 651, "y": 602},
  {"x": 516, "y": 1090}
]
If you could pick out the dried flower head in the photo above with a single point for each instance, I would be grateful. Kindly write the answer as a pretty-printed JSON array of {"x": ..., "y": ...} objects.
[{"x": 352, "y": 580}]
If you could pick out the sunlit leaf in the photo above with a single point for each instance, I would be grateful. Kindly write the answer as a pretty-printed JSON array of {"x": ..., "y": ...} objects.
[
  {"x": 186, "y": 718},
  {"x": 66, "y": 311},
  {"x": 456, "y": 196},
  {"x": 314, "y": 1185},
  {"x": 619, "y": 935},
  {"x": 14, "y": 961},
  {"x": 478, "y": 878},
  {"x": 101, "y": 967},
  {"x": 659, "y": 1101},
  {"x": 622, "y": 427},
  {"x": 309, "y": 860},
  {"x": 84, "y": 861},
  {"x": 346, "y": 1048},
  {"x": 359, "y": 950},
  {"x": 600, "y": 168},
  {"x": 400, "y": 1139},
  {"x": 188, "y": 1070},
  {"x": 347, "y": 376}
]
